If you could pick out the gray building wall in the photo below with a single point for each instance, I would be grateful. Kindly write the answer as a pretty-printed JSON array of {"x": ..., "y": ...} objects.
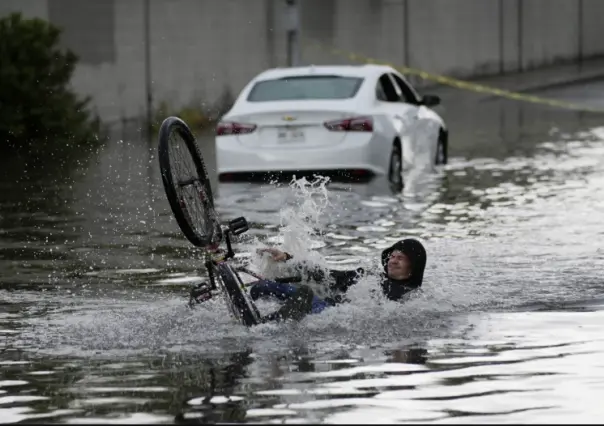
[{"x": 201, "y": 49}]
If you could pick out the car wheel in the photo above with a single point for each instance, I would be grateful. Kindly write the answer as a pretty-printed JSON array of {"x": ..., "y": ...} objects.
[
  {"x": 395, "y": 173},
  {"x": 441, "y": 150}
]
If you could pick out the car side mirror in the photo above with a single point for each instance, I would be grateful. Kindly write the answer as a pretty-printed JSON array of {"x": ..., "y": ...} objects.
[{"x": 430, "y": 100}]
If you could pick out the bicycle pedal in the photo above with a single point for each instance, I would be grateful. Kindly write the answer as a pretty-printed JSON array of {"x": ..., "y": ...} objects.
[{"x": 201, "y": 292}]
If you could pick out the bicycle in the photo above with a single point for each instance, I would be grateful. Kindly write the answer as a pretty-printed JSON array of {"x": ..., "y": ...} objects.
[{"x": 191, "y": 193}]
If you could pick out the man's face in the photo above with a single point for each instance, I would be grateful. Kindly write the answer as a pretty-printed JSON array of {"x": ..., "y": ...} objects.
[{"x": 399, "y": 266}]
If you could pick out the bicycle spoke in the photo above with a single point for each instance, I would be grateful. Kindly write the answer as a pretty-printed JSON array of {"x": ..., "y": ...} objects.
[{"x": 190, "y": 192}]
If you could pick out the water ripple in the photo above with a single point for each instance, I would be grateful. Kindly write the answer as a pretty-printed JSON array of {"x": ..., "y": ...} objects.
[{"x": 507, "y": 327}]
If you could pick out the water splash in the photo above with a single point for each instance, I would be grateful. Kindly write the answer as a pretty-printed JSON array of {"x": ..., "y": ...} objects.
[{"x": 302, "y": 225}]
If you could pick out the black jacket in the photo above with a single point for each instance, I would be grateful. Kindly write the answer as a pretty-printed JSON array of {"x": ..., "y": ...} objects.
[{"x": 340, "y": 281}]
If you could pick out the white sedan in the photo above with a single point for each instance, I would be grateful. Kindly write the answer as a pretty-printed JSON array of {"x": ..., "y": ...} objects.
[{"x": 357, "y": 121}]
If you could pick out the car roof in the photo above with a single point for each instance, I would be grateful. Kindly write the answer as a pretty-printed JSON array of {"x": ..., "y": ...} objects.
[{"x": 366, "y": 70}]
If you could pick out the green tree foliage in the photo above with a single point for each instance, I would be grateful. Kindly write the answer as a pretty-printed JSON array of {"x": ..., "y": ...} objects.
[{"x": 37, "y": 107}]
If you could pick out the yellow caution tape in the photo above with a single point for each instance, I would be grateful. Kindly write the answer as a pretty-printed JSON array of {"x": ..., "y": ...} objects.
[{"x": 461, "y": 84}]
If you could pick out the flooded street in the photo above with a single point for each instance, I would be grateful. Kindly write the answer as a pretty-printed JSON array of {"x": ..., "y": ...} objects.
[{"x": 95, "y": 272}]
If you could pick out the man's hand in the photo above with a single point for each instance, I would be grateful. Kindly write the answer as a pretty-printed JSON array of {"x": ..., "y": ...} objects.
[{"x": 276, "y": 254}]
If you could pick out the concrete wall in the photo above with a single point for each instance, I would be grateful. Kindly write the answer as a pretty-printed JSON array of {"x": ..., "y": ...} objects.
[{"x": 201, "y": 49}]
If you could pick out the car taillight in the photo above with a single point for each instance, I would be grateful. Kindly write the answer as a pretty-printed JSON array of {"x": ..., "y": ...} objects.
[
  {"x": 231, "y": 128},
  {"x": 356, "y": 124}
]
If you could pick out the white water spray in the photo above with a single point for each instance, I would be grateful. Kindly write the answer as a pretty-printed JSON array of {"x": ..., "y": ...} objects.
[
  {"x": 301, "y": 228},
  {"x": 300, "y": 223}
]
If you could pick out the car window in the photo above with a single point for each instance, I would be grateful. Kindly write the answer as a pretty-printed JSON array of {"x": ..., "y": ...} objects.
[
  {"x": 407, "y": 93},
  {"x": 385, "y": 90},
  {"x": 380, "y": 93},
  {"x": 305, "y": 87}
]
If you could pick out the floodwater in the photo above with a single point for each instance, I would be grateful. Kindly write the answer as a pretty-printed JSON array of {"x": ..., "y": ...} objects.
[{"x": 94, "y": 326}]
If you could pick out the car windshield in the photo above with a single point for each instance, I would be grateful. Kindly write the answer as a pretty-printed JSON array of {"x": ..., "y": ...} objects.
[{"x": 305, "y": 87}]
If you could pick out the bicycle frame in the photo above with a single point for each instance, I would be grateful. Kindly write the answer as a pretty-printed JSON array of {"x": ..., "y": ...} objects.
[{"x": 216, "y": 258}]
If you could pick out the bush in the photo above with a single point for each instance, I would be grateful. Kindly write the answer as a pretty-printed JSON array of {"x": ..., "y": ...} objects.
[
  {"x": 37, "y": 108},
  {"x": 199, "y": 115},
  {"x": 195, "y": 118}
]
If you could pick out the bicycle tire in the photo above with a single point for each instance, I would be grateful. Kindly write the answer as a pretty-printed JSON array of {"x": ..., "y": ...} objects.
[
  {"x": 210, "y": 232},
  {"x": 241, "y": 304}
]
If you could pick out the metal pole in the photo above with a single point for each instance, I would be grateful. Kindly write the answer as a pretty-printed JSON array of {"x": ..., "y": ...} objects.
[
  {"x": 293, "y": 33},
  {"x": 148, "y": 89},
  {"x": 580, "y": 32},
  {"x": 501, "y": 38},
  {"x": 520, "y": 7}
]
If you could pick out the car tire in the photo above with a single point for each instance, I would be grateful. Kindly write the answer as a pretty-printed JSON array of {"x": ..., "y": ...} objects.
[
  {"x": 395, "y": 170},
  {"x": 441, "y": 156}
]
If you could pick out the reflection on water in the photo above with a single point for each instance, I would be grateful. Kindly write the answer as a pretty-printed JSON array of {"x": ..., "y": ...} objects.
[
  {"x": 95, "y": 329},
  {"x": 510, "y": 376}
]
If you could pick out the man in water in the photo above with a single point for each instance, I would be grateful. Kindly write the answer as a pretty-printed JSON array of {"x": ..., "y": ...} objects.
[{"x": 404, "y": 264}]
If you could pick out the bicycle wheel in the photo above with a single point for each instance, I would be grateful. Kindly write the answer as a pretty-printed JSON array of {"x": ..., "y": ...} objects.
[
  {"x": 242, "y": 306},
  {"x": 186, "y": 183}
]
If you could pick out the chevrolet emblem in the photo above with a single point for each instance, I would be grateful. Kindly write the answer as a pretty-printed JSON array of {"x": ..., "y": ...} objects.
[{"x": 288, "y": 118}]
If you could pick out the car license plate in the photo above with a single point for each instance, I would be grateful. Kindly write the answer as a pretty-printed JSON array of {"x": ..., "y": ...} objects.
[{"x": 290, "y": 135}]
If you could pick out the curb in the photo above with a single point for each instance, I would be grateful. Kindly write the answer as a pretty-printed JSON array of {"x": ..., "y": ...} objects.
[
  {"x": 525, "y": 83},
  {"x": 570, "y": 81},
  {"x": 556, "y": 84}
]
